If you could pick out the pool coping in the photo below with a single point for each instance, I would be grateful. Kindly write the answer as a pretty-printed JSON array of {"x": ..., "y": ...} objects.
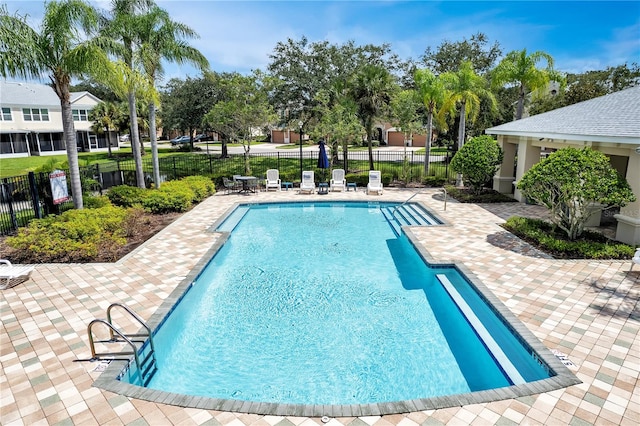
[{"x": 563, "y": 376}]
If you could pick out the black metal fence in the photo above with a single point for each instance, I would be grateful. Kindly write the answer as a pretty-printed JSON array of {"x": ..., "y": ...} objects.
[{"x": 23, "y": 198}]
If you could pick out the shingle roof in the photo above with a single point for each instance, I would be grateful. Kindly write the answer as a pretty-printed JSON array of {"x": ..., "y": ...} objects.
[
  {"x": 29, "y": 94},
  {"x": 13, "y": 93},
  {"x": 610, "y": 118}
]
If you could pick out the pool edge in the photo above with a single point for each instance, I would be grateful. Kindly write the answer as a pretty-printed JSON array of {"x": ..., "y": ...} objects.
[{"x": 563, "y": 376}]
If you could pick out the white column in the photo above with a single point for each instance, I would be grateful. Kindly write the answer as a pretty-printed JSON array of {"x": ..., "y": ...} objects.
[
  {"x": 528, "y": 155},
  {"x": 628, "y": 229},
  {"x": 503, "y": 180}
]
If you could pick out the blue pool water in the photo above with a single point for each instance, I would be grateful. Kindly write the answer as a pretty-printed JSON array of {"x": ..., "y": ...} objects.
[{"x": 324, "y": 304}]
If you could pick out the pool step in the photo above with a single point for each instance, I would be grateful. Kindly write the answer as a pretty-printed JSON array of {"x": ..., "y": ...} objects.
[
  {"x": 233, "y": 219},
  {"x": 408, "y": 214}
]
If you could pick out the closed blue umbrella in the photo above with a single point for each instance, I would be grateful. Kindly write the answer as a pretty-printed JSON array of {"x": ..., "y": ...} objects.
[{"x": 323, "y": 161}]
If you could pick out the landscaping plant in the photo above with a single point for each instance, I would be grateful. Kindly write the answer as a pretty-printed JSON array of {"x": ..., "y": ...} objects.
[{"x": 573, "y": 183}]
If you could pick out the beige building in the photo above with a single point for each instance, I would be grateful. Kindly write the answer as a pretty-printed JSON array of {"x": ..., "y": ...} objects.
[
  {"x": 610, "y": 124},
  {"x": 31, "y": 121}
]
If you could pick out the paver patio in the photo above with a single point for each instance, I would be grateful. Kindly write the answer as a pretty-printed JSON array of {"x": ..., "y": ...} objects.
[{"x": 585, "y": 309}]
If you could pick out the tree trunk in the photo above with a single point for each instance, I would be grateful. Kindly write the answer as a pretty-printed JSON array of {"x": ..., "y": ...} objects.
[
  {"x": 110, "y": 154},
  {"x": 72, "y": 148},
  {"x": 369, "y": 130},
  {"x": 461, "y": 130},
  {"x": 135, "y": 142},
  {"x": 520, "y": 109},
  {"x": 427, "y": 144},
  {"x": 225, "y": 151},
  {"x": 154, "y": 144}
]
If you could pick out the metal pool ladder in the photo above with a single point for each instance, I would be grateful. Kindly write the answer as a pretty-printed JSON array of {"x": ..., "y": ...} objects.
[{"x": 146, "y": 367}]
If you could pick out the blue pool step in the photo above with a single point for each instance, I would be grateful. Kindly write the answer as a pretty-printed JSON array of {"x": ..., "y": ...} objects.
[
  {"x": 233, "y": 219},
  {"x": 409, "y": 214}
]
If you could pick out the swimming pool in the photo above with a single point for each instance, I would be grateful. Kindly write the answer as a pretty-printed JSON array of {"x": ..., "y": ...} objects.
[{"x": 372, "y": 317}]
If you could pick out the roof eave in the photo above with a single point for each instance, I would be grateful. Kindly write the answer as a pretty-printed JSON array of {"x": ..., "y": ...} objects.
[{"x": 565, "y": 136}]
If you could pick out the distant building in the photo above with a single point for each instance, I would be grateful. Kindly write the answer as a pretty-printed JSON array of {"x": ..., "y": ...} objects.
[{"x": 31, "y": 121}]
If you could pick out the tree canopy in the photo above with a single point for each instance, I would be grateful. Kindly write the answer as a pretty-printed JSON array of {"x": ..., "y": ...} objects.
[{"x": 573, "y": 183}]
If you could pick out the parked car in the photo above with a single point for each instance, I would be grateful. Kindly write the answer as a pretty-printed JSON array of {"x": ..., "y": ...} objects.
[
  {"x": 180, "y": 140},
  {"x": 124, "y": 138},
  {"x": 202, "y": 137}
]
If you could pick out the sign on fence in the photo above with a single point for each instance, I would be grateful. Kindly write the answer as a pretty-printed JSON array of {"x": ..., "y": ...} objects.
[{"x": 59, "y": 186}]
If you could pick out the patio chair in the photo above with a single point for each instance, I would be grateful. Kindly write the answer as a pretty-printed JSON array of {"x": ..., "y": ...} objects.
[
  {"x": 635, "y": 259},
  {"x": 375, "y": 182},
  {"x": 273, "y": 180},
  {"x": 308, "y": 185},
  {"x": 229, "y": 185},
  {"x": 337, "y": 182},
  {"x": 9, "y": 272},
  {"x": 253, "y": 185}
]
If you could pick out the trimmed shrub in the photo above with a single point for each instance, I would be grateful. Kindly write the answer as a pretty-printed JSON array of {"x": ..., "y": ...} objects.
[
  {"x": 549, "y": 238},
  {"x": 126, "y": 196},
  {"x": 74, "y": 236},
  {"x": 201, "y": 186},
  {"x": 93, "y": 202},
  {"x": 478, "y": 160}
]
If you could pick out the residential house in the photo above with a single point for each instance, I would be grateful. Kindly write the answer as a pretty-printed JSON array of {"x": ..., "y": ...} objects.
[
  {"x": 31, "y": 121},
  {"x": 610, "y": 124}
]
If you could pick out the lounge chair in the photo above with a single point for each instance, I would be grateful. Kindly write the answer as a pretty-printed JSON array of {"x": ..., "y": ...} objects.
[
  {"x": 273, "y": 180},
  {"x": 308, "y": 183},
  {"x": 338, "y": 182},
  {"x": 375, "y": 182},
  {"x": 635, "y": 259},
  {"x": 9, "y": 272}
]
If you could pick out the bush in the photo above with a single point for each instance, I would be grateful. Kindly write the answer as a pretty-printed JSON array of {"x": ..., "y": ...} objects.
[
  {"x": 126, "y": 196},
  {"x": 569, "y": 181},
  {"x": 434, "y": 181},
  {"x": 201, "y": 186},
  {"x": 552, "y": 240},
  {"x": 74, "y": 236},
  {"x": 165, "y": 201},
  {"x": 478, "y": 160},
  {"x": 93, "y": 202}
]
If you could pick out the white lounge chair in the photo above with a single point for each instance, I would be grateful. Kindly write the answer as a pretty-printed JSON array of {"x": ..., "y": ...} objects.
[
  {"x": 273, "y": 180},
  {"x": 375, "y": 182},
  {"x": 635, "y": 259},
  {"x": 308, "y": 184},
  {"x": 338, "y": 182},
  {"x": 9, "y": 272}
]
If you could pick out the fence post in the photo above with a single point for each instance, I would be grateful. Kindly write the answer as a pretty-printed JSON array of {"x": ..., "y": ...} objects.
[
  {"x": 9, "y": 195},
  {"x": 175, "y": 172},
  {"x": 210, "y": 162},
  {"x": 120, "y": 171},
  {"x": 99, "y": 177},
  {"x": 35, "y": 198}
]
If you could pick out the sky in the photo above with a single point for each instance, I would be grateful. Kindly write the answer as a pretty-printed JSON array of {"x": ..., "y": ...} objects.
[{"x": 240, "y": 35}]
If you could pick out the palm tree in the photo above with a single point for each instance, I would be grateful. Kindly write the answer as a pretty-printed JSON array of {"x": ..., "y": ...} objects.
[
  {"x": 161, "y": 38},
  {"x": 465, "y": 88},
  {"x": 123, "y": 28},
  {"x": 105, "y": 117},
  {"x": 61, "y": 50},
  {"x": 520, "y": 69},
  {"x": 372, "y": 89},
  {"x": 432, "y": 93}
]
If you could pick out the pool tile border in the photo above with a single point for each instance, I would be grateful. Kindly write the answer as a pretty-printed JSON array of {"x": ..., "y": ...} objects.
[{"x": 563, "y": 378}]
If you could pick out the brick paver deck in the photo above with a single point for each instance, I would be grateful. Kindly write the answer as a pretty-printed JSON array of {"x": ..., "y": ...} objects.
[{"x": 585, "y": 309}]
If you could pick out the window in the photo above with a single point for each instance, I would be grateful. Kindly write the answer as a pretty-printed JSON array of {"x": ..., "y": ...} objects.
[
  {"x": 35, "y": 114},
  {"x": 80, "y": 114},
  {"x": 6, "y": 114}
]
